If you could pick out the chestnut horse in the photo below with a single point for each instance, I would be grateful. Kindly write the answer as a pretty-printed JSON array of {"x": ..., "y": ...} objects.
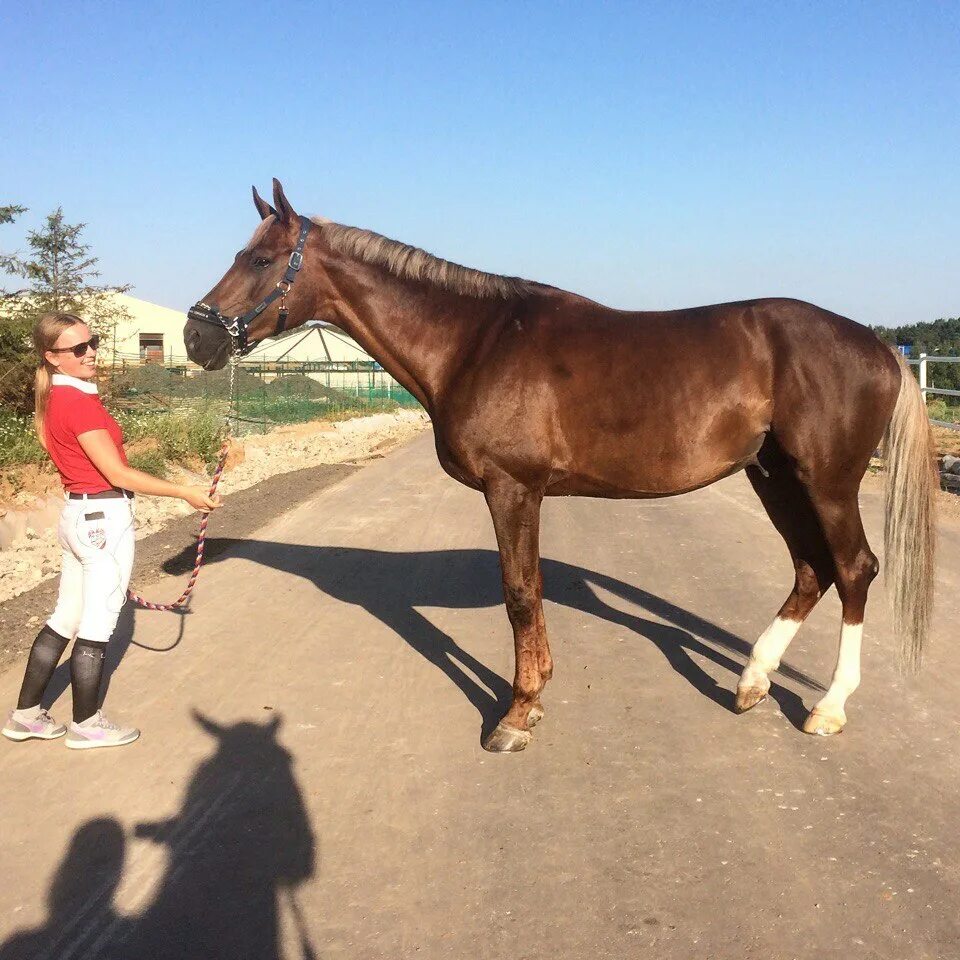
[{"x": 536, "y": 392}]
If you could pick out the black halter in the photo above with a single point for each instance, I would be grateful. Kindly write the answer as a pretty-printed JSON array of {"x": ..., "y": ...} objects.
[{"x": 237, "y": 326}]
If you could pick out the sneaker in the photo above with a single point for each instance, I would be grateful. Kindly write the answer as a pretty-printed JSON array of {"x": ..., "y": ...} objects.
[
  {"x": 41, "y": 726},
  {"x": 98, "y": 731}
]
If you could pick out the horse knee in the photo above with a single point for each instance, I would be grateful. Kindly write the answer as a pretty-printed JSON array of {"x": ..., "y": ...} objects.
[{"x": 521, "y": 602}]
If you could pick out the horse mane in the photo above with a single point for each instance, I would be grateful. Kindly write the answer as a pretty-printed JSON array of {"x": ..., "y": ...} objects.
[{"x": 412, "y": 263}]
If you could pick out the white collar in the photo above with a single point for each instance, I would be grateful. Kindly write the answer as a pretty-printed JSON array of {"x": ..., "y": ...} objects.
[{"x": 63, "y": 380}]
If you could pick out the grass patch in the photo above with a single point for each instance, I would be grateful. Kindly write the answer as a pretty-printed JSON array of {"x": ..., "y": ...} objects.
[
  {"x": 149, "y": 461},
  {"x": 180, "y": 436},
  {"x": 18, "y": 441},
  {"x": 939, "y": 409},
  {"x": 278, "y": 410}
]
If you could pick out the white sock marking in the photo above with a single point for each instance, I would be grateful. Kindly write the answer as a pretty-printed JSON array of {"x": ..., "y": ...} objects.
[
  {"x": 767, "y": 651},
  {"x": 846, "y": 676}
]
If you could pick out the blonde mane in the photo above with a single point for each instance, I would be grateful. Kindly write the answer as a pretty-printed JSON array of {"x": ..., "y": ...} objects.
[{"x": 412, "y": 263}]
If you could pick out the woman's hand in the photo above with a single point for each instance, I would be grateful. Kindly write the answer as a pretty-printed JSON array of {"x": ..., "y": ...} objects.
[
  {"x": 103, "y": 454},
  {"x": 199, "y": 499}
]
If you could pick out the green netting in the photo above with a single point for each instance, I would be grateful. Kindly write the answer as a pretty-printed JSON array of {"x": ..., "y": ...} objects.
[{"x": 266, "y": 395}]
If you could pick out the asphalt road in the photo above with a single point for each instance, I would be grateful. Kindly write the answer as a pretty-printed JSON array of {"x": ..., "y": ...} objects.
[{"x": 310, "y": 781}]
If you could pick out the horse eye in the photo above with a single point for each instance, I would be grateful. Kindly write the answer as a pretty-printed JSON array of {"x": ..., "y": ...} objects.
[{"x": 261, "y": 262}]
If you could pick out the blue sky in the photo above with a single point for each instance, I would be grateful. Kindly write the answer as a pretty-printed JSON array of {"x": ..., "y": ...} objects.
[{"x": 648, "y": 155}]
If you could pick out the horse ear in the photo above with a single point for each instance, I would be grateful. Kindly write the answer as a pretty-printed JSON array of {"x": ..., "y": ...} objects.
[
  {"x": 285, "y": 212},
  {"x": 275, "y": 723},
  {"x": 208, "y": 725},
  {"x": 263, "y": 208}
]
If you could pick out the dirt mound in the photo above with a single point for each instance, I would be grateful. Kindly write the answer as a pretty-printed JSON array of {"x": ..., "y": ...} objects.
[
  {"x": 157, "y": 381},
  {"x": 300, "y": 385}
]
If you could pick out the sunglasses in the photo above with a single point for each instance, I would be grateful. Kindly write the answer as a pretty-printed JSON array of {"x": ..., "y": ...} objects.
[{"x": 79, "y": 349}]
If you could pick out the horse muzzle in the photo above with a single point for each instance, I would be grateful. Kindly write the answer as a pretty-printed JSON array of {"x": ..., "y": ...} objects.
[{"x": 209, "y": 341}]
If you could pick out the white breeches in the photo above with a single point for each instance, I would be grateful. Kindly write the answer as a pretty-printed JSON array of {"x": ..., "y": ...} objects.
[{"x": 98, "y": 543}]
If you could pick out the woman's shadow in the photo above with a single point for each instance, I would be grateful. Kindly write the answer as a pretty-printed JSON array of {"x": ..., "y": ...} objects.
[{"x": 391, "y": 586}]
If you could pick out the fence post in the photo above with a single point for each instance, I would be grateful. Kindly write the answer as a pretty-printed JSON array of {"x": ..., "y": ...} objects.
[{"x": 923, "y": 376}]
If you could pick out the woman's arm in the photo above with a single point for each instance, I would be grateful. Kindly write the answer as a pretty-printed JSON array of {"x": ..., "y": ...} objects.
[{"x": 99, "y": 447}]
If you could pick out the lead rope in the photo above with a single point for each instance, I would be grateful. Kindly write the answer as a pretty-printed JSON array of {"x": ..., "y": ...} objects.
[{"x": 201, "y": 539}]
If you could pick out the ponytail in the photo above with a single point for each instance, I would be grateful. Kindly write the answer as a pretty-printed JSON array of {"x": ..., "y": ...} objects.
[{"x": 41, "y": 393}]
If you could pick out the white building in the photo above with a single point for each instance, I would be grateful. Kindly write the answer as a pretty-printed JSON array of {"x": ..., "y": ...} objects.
[{"x": 155, "y": 334}]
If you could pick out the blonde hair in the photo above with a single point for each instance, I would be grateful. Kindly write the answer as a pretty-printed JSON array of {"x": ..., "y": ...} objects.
[
  {"x": 46, "y": 333},
  {"x": 412, "y": 263}
]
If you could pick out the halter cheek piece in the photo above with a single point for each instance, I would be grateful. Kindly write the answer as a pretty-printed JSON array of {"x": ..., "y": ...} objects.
[{"x": 237, "y": 327}]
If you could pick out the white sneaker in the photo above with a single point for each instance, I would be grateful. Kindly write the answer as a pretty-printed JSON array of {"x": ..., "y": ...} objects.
[
  {"x": 98, "y": 731},
  {"x": 39, "y": 726}
]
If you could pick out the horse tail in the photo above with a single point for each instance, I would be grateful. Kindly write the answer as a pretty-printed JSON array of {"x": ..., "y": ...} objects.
[{"x": 909, "y": 455}]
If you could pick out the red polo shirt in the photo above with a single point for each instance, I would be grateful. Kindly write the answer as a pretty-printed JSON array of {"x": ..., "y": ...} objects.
[{"x": 74, "y": 407}]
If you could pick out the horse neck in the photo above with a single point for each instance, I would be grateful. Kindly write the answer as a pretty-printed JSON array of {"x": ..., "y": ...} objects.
[{"x": 420, "y": 333}]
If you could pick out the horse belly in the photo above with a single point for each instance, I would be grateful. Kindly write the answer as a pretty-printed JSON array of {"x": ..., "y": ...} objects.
[{"x": 639, "y": 466}]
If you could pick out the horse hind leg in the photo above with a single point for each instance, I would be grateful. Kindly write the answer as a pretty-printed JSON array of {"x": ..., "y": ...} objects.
[
  {"x": 856, "y": 567},
  {"x": 791, "y": 512}
]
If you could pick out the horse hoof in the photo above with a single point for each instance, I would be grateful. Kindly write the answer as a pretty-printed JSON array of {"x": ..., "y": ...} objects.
[
  {"x": 535, "y": 715},
  {"x": 749, "y": 697},
  {"x": 824, "y": 724},
  {"x": 506, "y": 739}
]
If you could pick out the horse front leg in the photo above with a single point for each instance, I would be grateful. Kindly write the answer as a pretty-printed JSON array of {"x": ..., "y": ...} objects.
[{"x": 515, "y": 510}]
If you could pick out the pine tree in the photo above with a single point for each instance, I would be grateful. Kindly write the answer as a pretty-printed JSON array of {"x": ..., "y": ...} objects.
[
  {"x": 14, "y": 330},
  {"x": 9, "y": 262},
  {"x": 61, "y": 274}
]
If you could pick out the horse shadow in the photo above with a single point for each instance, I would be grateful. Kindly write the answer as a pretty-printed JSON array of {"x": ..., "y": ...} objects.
[
  {"x": 392, "y": 585},
  {"x": 236, "y": 853}
]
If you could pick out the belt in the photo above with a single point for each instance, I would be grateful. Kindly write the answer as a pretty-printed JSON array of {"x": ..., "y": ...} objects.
[{"x": 103, "y": 495}]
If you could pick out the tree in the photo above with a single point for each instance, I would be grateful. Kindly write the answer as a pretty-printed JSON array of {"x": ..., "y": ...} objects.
[
  {"x": 61, "y": 274},
  {"x": 934, "y": 338},
  {"x": 14, "y": 330},
  {"x": 9, "y": 262}
]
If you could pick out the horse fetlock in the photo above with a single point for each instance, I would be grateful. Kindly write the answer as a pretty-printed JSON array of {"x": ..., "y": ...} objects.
[{"x": 536, "y": 713}]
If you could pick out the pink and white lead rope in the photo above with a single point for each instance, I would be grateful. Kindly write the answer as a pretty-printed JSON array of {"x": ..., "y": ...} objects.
[{"x": 137, "y": 599}]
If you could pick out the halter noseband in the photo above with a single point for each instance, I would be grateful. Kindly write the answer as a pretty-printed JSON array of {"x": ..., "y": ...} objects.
[{"x": 237, "y": 327}]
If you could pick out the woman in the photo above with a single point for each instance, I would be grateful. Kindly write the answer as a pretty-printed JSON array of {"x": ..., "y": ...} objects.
[{"x": 96, "y": 533}]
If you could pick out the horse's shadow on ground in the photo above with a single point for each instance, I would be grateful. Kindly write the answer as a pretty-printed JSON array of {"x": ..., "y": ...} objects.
[
  {"x": 236, "y": 851},
  {"x": 391, "y": 586}
]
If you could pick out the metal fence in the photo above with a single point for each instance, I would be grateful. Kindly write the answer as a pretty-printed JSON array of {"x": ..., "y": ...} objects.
[
  {"x": 922, "y": 363},
  {"x": 266, "y": 393}
]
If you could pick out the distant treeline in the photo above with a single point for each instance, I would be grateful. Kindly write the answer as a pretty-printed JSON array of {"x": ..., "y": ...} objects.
[{"x": 937, "y": 337}]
